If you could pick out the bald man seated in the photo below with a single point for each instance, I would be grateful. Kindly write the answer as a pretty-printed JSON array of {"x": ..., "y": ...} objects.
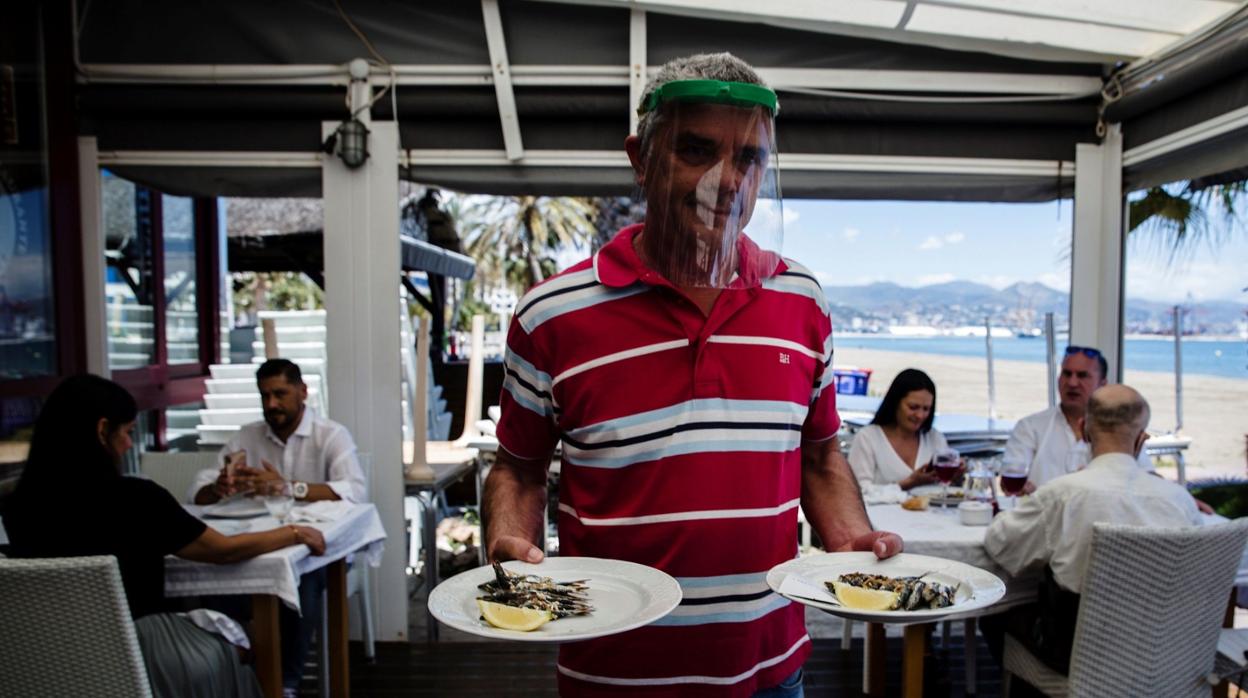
[{"x": 1052, "y": 528}]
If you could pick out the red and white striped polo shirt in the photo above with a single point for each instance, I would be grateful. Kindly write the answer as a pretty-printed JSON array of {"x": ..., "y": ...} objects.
[{"x": 681, "y": 450}]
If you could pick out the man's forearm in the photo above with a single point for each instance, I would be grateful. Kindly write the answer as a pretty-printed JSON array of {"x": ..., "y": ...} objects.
[
  {"x": 514, "y": 500},
  {"x": 830, "y": 495}
]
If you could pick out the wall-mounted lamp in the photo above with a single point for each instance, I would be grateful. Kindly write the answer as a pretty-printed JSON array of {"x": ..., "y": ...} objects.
[{"x": 349, "y": 142}]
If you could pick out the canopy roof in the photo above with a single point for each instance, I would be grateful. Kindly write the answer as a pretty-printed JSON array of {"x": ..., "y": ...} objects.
[{"x": 920, "y": 99}]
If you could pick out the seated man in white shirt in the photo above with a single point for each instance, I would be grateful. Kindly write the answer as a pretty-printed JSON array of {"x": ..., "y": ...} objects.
[
  {"x": 315, "y": 455},
  {"x": 1053, "y": 527},
  {"x": 292, "y": 443},
  {"x": 1051, "y": 441}
]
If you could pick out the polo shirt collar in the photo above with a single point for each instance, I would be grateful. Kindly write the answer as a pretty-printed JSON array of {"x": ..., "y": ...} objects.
[{"x": 617, "y": 264}]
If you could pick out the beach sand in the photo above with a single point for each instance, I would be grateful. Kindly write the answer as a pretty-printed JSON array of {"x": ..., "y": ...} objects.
[{"x": 1215, "y": 409}]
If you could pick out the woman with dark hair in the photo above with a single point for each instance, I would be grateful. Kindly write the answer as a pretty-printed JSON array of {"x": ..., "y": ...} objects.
[
  {"x": 899, "y": 443},
  {"x": 72, "y": 500}
]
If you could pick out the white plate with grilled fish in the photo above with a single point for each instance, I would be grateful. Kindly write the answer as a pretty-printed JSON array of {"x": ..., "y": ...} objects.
[
  {"x": 619, "y": 596},
  {"x": 935, "y": 580}
]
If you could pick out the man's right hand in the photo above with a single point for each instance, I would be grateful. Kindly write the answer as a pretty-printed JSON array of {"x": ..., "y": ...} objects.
[{"x": 506, "y": 548}]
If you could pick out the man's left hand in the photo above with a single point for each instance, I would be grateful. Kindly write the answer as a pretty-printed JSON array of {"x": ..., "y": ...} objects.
[
  {"x": 1204, "y": 508},
  {"x": 882, "y": 543}
]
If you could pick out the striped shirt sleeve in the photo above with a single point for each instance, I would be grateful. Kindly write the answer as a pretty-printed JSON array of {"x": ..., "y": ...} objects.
[
  {"x": 822, "y": 422},
  {"x": 526, "y": 427}
]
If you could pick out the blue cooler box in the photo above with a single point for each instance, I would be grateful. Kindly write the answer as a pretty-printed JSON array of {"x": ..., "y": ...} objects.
[{"x": 851, "y": 381}]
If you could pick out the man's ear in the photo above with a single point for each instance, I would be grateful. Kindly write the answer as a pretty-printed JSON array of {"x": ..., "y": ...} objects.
[
  {"x": 1139, "y": 443},
  {"x": 632, "y": 146},
  {"x": 101, "y": 430}
]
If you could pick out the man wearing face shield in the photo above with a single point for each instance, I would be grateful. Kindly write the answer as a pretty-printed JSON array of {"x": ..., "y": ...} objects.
[{"x": 686, "y": 368}]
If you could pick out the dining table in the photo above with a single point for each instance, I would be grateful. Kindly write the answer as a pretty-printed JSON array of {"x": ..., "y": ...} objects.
[
  {"x": 939, "y": 532},
  {"x": 353, "y": 535}
]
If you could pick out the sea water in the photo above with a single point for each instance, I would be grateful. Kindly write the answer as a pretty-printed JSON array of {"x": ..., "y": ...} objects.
[{"x": 1220, "y": 357}]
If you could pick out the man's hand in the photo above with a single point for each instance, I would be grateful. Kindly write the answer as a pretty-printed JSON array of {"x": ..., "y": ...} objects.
[
  {"x": 1204, "y": 508},
  {"x": 257, "y": 480},
  {"x": 1028, "y": 487},
  {"x": 882, "y": 543},
  {"x": 514, "y": 548}
]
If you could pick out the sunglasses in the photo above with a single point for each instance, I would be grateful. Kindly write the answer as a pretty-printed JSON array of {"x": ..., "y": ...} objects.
[{"x": 1086, "y": 351}]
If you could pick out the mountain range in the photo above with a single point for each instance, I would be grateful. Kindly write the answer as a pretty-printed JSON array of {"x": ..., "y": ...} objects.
[{"x": 1019, "y": 306}]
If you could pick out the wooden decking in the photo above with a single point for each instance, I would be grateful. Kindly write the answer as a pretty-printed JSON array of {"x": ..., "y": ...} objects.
[{"x": 418, "y": 669}]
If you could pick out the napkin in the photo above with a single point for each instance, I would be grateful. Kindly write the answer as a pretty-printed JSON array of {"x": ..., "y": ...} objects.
[
  {"x": 883, "y": 494},
  {"x": 218, "y": 623},
  {"x": 323, "y": 511}
]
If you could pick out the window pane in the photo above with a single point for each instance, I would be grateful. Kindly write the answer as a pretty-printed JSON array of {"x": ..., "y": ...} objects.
[
  {"x": 129, "y": 257},
  {"x": 181, "y": 317},
  {"x": 27, "y": 327}
]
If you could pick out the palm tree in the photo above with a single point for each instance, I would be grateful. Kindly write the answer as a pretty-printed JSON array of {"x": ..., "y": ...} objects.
[
  {"x": 515, "y": 239},
  {"x": 1178, "y": 216}
]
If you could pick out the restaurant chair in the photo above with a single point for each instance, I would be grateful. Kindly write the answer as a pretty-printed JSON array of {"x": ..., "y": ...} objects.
[
  {"x": 176, "y": 472},
  {"x": 67, "y": 630},
  {"x": 1149, "y": 615}
]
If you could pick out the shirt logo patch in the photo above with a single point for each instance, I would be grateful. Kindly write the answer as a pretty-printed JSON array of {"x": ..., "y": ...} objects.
[{"x": 784, "y": 358}]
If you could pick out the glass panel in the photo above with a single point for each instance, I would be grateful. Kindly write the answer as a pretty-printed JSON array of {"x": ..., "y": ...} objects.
[
  {"x": 181, "y": 316},
  {"x": 27, "y": 314},
  {"x": 181, "y": 427},
  {"x": 128, "y": 286}
]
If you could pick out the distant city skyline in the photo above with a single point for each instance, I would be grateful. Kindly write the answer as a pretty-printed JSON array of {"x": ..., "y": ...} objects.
[{"x": 849, "y": 243}]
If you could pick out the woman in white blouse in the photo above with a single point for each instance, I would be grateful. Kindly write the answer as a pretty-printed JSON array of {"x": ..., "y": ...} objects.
[{"x": 899, "y": 443}]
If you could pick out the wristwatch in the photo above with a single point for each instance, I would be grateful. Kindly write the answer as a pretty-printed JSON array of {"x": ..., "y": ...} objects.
[{"x": 299, "y": 489}]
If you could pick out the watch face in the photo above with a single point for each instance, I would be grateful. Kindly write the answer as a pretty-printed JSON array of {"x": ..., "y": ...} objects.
[{"x": 301, "y": 490}]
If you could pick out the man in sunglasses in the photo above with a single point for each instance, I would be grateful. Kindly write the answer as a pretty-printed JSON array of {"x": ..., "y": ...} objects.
[{"x": 1052, "y": 441}]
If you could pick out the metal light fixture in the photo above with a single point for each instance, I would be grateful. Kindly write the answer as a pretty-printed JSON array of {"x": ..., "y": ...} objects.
[{"x": 353, "y": 143}]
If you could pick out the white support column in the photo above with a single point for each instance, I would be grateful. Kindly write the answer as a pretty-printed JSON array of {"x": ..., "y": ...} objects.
[
  {"x": 362, "y": 313},
  {"x": 636, "y": 64},
  {"x": 94, "y": 306},
  {"x": 1096, "y": 259}
]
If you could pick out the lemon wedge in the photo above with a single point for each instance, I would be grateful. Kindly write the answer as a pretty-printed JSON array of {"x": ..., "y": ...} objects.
[
  {"x": 865, "y": 599},
  {"x": 512, "y": 617}
]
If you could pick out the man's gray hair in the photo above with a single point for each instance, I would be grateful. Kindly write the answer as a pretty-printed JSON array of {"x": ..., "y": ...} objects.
[
  {"x": 1118, "y": 410},
  {"x": 702, "y": 66}
]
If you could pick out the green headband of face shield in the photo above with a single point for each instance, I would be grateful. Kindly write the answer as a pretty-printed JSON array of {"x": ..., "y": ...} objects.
[{"x": 737, "y": 94}]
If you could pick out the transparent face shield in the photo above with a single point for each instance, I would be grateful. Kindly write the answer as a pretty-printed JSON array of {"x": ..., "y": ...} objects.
[{"x": 708, "y": 171}]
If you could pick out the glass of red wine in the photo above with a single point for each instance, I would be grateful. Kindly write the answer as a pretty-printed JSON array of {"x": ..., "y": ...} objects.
[
  {"x": 1013, "y": 479},
  {"x": 945, "y": 466}
]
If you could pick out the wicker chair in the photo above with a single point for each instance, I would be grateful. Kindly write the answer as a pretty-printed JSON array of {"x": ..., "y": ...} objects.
[
  {"x": 67, "y": 630},
  {"x": 1149, "y": 615}
]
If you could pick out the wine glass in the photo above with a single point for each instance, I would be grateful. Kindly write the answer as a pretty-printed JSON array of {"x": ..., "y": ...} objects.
[
  {"x": 278, "y": 499},
  {"x": 1014, "y": 479},
  {"x": 945, "y": 465}
]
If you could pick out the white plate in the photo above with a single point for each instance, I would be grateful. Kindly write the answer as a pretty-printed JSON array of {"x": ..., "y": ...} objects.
[
  {"x": 976, "y": 588},
  {"x": 245, "y": 508},
  {"x": 932, "y": 492},
  {"x": 625, "y": 595}
]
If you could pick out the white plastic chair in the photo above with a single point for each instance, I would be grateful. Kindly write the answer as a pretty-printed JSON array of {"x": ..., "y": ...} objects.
[
  {"x": 1149, "y": 615},
  {"x": 176, "y": 472},
  {"x": 67, "y": 630}
]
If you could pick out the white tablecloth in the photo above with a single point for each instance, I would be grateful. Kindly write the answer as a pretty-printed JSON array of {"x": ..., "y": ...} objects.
[
  {"x": 939, "y": 533},
  {"x": 355, "y": 528}
]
